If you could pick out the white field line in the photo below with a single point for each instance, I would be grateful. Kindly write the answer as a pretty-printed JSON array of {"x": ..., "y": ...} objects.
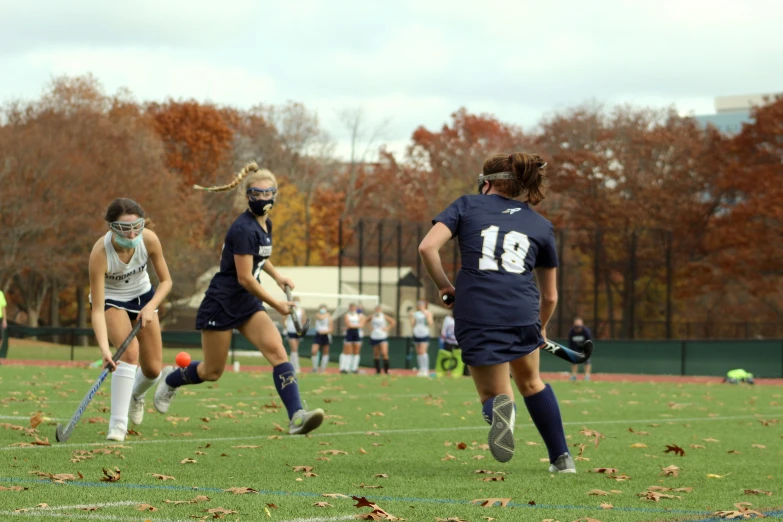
[
  {"x": 392, "y": 432},
  {"x": 52, "y": 512}
]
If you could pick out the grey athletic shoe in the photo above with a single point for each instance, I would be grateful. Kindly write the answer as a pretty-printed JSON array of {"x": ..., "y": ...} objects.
[
  {"x": 164, "y": 393},
  {"x": 563, "y": 464},
  {"x": 501, "y": 434},
  {"x": 305, "y": 421},
  {"x": 136, "y": 410}
]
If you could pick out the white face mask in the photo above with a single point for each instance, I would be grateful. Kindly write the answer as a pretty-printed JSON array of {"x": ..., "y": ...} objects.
[{"x": 322, "y": 310}]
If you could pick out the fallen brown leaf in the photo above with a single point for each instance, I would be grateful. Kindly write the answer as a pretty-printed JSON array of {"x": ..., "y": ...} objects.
[
  {"x": 670, "y": 471},
  {"x": 36, "y": 419},
  {"x": 449, "y": 457},
  {"x": 676, "y": 449},
  {"x": 240, "y": 491},
  {"x": 303, "y": 468},
  {"x": 110, "y": 476},
  {"x": 604, "y": 470},
  {"x": 597, "y": 492},
  {"x": 322, "y": 504},
  {"x": 592, "y": 433},
  {"x": 188, "y": 461},
  {"x": 605, "y": 505},
  {"x": 638, "y": 445},
  {"x": 146, "y": 507},
  {"x": 161, "y": 477},
  {"x": 758, "y": 492},
  {"x": 490, "y": 502}
]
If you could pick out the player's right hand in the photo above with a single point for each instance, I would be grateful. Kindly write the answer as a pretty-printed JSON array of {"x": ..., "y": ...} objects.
[
  {"x": 107, "y": 360},
  {"x": 450, "y": 291},
  {"x": 283, "y": 307}
]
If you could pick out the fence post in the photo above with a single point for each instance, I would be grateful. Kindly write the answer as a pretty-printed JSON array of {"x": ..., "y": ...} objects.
[
  {"x": 683, "y": 356},
  {"x": 361, "y": 253},
  {"x": 668, "y": 284},
  {"x": 399, "y": 274},
  {"x": 380, "y": 261}
]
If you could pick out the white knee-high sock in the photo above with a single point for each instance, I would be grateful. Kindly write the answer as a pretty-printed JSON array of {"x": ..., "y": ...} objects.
[
  {"x": 355, "y": 362},
  {"x": 295, "y": 360},
  {"x": 344, "y": 362},
  {"x": 141, "y": 383},
  {"x": 121, "y": 389},
  {"x": 420, "y": 360},
  {"x": 314, "y": 360},
  {"x": 324, "y": 362},
  {"x": 425, "y": 358}
]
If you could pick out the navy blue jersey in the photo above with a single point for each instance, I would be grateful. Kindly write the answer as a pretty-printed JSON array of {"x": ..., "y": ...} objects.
[
  {"x": 577, "y": 339},
  {"x": 501, "y": 241},
  {"x": 245, "y": 236}
]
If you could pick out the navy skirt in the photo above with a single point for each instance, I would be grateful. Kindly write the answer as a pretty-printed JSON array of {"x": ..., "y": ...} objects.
[
  {"x": 213, "y": 316},
  {"x": 133, "y": 307},
  {"x": 485, "y": 345},
  {"x": 322, "y": 339}
]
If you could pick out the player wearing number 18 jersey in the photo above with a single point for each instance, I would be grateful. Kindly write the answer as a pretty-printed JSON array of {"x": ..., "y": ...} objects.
[
  {"x": 500, "y": 314},
  {"x": 234, "y": 301}
]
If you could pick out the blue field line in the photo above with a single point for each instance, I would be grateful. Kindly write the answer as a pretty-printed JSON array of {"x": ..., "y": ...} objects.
[{"x": 191, "y": 489}]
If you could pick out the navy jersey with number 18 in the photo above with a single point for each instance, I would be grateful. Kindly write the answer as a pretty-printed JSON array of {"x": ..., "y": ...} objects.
[{"x": 501, "y": 241}]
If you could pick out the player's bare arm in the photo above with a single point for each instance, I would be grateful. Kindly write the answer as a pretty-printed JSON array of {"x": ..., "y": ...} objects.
[
  {"x": 155, "y": 252},
  {"x": 244, "y": 266},
  {"x": 281, "y": 281},
  {"x": 97, "y": 268},
  {"x": 547, "y": 284},
  {"x": 429, "y": 249}
]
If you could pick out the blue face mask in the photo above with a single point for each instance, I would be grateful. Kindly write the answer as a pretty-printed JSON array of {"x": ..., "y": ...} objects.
[{"x": 124, "y": 242}]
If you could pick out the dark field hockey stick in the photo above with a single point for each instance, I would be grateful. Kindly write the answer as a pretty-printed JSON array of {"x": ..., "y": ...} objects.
[
  {"x": 63, "y": 434},
  {"x": 301, "y": 330},
  {"x": 572, "y": 356}
]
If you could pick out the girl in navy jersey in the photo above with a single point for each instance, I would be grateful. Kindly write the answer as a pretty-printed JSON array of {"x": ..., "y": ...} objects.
[
  {"x": 121, "y": 293},
  {"x": 500, "y": 314},
  {"x": 235, "y": 300}
]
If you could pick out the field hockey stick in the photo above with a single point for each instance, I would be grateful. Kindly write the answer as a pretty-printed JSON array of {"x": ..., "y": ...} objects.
[
  {"x": 301, "y": 330},
  {"x": 63, "y": 434},
  {"x": 572, "y": 356}
]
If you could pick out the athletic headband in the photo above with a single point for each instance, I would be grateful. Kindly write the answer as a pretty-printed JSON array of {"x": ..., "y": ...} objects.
[{"x": 490, "y": 177}]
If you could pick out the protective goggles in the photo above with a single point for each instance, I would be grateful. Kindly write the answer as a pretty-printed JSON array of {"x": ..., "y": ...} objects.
[
  {"x": 125, "y": 228},
  {"x": 256, "y": 193}
]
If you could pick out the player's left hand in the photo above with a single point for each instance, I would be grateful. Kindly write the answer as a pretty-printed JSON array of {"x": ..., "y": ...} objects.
[
  {"x": 282, "y": 282},
  {"x": 146, "y": 316}
]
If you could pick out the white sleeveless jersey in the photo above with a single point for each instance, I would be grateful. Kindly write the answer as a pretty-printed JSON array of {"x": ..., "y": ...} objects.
[
  {"x": 447, "y": 332},
  {"x": 322, "y": 325},
  {"x": 378, "y": 323},
  {"x": 420, "y": 326},
  {"x": 125, "y": 282},
  {"x": 289, "y": 321},
  {"x": 352, "y": 320}
]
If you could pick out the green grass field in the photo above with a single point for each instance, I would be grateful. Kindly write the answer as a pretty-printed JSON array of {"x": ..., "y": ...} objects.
[{"x": 397, "y": 441}]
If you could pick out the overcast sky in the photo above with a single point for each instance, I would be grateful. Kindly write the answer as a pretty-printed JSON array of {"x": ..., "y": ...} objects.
[{"x": 413, "y": 62}]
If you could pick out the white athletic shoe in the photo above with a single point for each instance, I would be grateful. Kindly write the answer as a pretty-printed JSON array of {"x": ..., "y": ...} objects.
[
  {"x": 117, "y": 433},
  {"x": 136, "y": 410},
  {"x": 164, "y": 393}
]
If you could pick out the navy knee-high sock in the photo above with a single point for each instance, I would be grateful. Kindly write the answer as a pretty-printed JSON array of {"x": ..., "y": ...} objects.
[
  {"x": 287, "y": 387},
  {"x": 186, "y": 375},
  {"x": 545, "y": 412}
]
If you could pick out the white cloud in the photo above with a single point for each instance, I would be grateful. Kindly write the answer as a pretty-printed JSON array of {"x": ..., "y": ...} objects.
[{"x": 414, "y": 61}]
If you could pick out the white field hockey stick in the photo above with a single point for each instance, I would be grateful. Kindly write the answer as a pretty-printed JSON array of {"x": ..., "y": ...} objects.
[{"x": 62, "y": 434}]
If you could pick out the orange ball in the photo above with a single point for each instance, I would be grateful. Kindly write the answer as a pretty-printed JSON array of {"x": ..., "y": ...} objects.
[{"x": 183, "y": 359}]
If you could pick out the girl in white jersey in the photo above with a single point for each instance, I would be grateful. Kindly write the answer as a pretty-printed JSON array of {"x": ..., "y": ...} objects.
[
  {"x": 120, "y": 293},
  {"x": 379, "y": 338},
  {"x": 293, "y": 337},
  {"x": 322, "y": 339},
  {"x": 354, "y": 322},
  {"x": 421, "y": 321}
]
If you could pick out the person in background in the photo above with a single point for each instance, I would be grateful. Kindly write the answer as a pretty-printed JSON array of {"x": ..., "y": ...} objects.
[{"x": 577, "y": 336}]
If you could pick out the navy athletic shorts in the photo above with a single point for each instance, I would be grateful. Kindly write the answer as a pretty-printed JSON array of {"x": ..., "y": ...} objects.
[
  {"x": 352, "y": 336},
  {"x": 376, "y": 342},
  {"x": 212, "y": 316},
  {"x": 293, "y": 335},
  {"x": 133, "y": 307},
  {"x": 322, "y": 339},
  {"x": 484, "y": 345},
  {"x": 420, "y": 339}
]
